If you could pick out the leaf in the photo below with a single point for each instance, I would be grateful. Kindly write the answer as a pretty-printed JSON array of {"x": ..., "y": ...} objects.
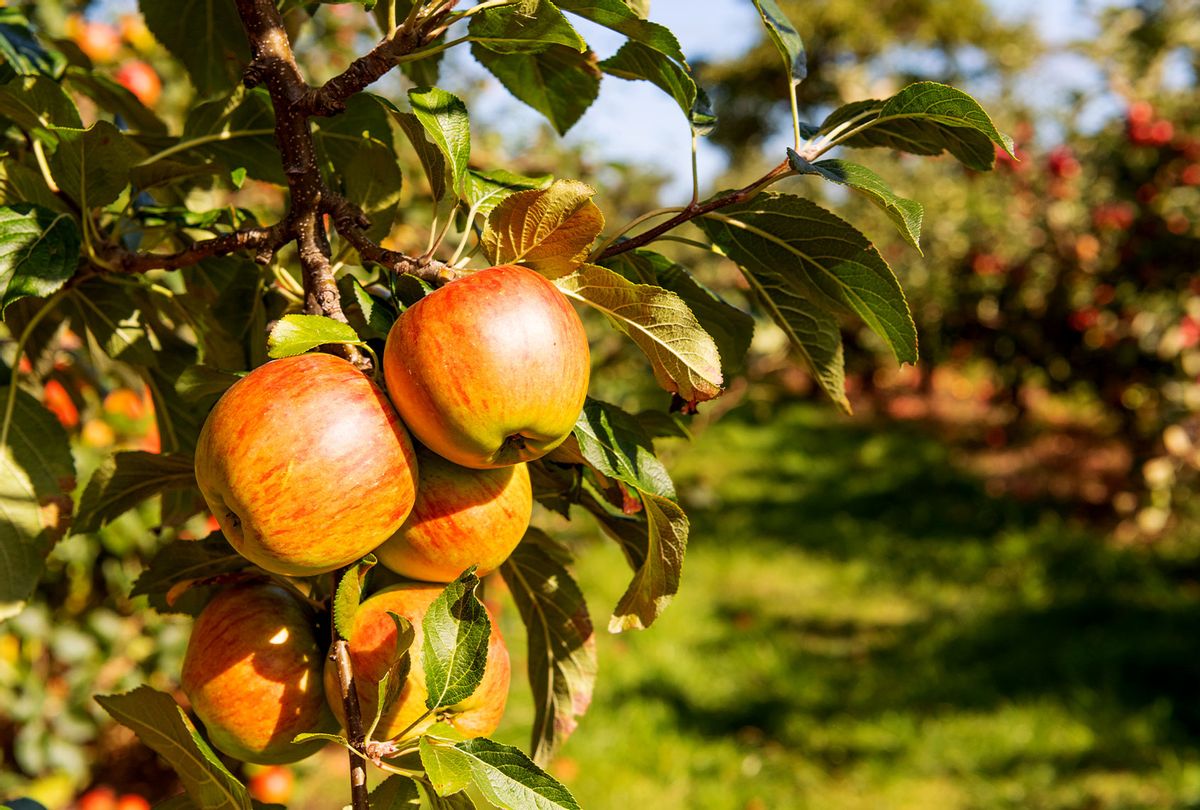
[
  {"x": 22, "y": 52},
  {"x": 487, "y": 189},
  {"x": 657, "y": 580},
  {"x": 392, "y": 683},
  {"x": 163, "y": 726},
  {"x": 524, "y": 28},
  {"x": 617, "y": 15},
  {"x": 785, "y": 38},
  {"x": 559, "y": 82},
  {"x": 637, "y": 61},
  {"x": 123, "y": 480},
  {"x": 37, "y": 474},
  {"x": 184, "y": 560},
  {"x": 560, "y": 636},
  {"x": 359, "y": 150},
  {"x": 112, "y": 96},
  {"x": 505, "y": 776},
  {"x": 444, "y": 118},
  {"x": 370, "y": 318},
  {"x": 39, "y": 251},
  {"x": 349, "y": 596},
  {"x": 683, "y": 356},
  {"x": 925, "y": 118},
  {"x": 204, "y": 384},
  {"x": 115, "y": 320},
  {"x": 614, "y": 443},
  {"x": 92, "y": 165},
  {"x": 549, "y": 230},
  {"x": 456, "y": 629},
  {"x": 37, "y": 104},
  {"x": 430, "y": 156},
  {"x": 205, "y": 35},
  {"x": 223, "y": 302},
  {"x": 238, "y": 131},
  {"x": 821, "y": 257},
  {"x": 297, "y": 334},
  {"x": 907, "y": 214},
  {"x": 396, "y": 793},
  {"x": 731, "y": 328}
]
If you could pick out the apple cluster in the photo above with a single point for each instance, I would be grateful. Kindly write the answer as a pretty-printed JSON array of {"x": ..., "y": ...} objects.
[{"x": 308, "y": 467}]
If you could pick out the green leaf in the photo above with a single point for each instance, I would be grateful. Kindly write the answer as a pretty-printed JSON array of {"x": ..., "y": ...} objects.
[
  {"x": 617, "y": 15},
  {"x": 37, "y": 474},
  {"x": 683, "y": 356},
  {"x": 730, "y": 327},
  {"x": 560, "y": 82},
  {"x": 560, "y": 636},
  {"x": 112, "y": 96},
  {"x": 359, "y": 150},
  {"x": 164, "y": 727},
  {"x": 184, "y": 561},
  {"x": 503, "y": 774},
  {"x": 39, "y": 250},
  {"x": 925, "y": 118},
  {"x": 238, "y": 131},
  {"x": 396, "y": 793},
  {"x": 785, "y": 38},
  {"x": 222, "y": 304},
  {"x": 820, "y": 258},
  {"x": 205, "y": 35},
  {"x": 446, "y": 768},
  {"x": 615, "y": 444},
  {"x": 657, "y": 580},
  {"x": 297, "y": 334},
  {"x": 349, "y": 596},
  {"x": 456, "y": 629},
  {"x": 37, "y": 105},
  {"x": 92, "y": 165},
  {"x": 444, "y": 118},
  {"x": 390, "y": 686},
  {"x": 22, "y": 52},
  {"x": 549, "y": 230},
  {"x": 370, "y": 317},
  {"x": 432, "y": 160},
  {"x": 637, "y": 61},
  {"x": 115, "y": 320},
  {"x": 487, "y": 189},
  {"x": 204, "y": 384},
  {"x": 21, "y": 183},
  {"x": 123, "y": 480},
  {"x": 528, "y": 27},
  {"x": 907, "y": 214}
]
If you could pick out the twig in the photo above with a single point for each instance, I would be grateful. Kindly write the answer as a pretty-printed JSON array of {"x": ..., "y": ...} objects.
[
  {"x": 697, "y": 210},
  {"x": 351, "y": 224},
  {"x": 264, "y": 241},
  {"x": 340, "y": 654}
]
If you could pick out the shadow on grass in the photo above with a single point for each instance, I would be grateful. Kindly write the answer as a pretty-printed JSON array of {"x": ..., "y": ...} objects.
[{"x": 1011, "y": 605}]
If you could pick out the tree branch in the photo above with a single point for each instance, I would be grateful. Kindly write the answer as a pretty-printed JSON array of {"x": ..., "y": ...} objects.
[
  {"x": 351, "y": 224},
  {"x": 697, "y": 210},
  {"x": 264, "y": 241}
]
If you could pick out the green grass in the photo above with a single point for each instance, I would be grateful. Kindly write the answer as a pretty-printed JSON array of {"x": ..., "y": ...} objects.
[{"x": 861, "y": 626}]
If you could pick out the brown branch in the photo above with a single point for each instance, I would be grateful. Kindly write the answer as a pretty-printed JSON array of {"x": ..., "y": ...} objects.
[
  {"x": 416, "y": 32},
  {"x": 351, "y": 224},
  {"x": 697, "y": 210},
  {"x": 340, "y": 655},
  {"x": 264, "y": 241}
]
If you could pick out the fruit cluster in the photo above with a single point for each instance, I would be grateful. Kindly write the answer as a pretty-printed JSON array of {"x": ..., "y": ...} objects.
[{"x": 308, "y": 466}]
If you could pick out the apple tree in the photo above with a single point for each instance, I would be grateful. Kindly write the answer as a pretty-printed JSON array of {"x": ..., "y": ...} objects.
[{"x": 284, "y": 263}]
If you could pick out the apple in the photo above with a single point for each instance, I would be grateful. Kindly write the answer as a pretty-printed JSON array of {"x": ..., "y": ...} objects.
[
  {"x": 491, "y": 369},
  {"x": 305, "y": 465},
  {"x": 462, "y": 517},
  {"x": 99, "y": 41},
  {"x": 101, "y": 797},
  {"x": 140, "y": 79},
  {"x": 272, "y": 785},
  {"x": 252, "y": 672},
  {"x": 371, "y": 651},
  {"x": 132, "y": 801}
]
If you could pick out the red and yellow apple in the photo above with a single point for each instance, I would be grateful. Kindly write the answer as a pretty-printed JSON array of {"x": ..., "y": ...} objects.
[
  {"x": 372, "y": 648},
  {"x": 490, "y": 370},
  {"x": 462, "y": 517},
  {"x": 140, "y": 79},
  {"x": 252, "y": 672},
  {"x": 305, "y": 465}
]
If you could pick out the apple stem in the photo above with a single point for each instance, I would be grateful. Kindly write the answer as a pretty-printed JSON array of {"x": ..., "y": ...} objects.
[{"x": 340, "y": 654}]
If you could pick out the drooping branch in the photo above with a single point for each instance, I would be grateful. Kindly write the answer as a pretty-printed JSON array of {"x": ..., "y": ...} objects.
[
  {"x": 264, "y": 241},
  {"x": 350, "y": 223}
]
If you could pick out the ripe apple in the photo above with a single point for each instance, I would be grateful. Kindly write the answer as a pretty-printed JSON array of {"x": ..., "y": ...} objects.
[
  {"x": 140, "y": 79},
  {"x": 491, "y": 369},
  {"x": 272, "y": 785},
  {"x": 252, "y": 671},
  {"x": 99, "y": 41},
  {"x": 374, "y": 642},
  {"x": 305, "y": 465},
  {"x": 462, "y": 517},
  {"x": 101, "y": 797}
]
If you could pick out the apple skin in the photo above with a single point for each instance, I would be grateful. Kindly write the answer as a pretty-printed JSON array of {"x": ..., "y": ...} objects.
[
  {"x": 140, "y": 79},
  {"x": 490, "y": 370},
  {"x": 374, "y": 642},
  {"x": 252, "y": 672},
  {"x": 462, "y": 517},
  {"x": 305, "y": 465}
]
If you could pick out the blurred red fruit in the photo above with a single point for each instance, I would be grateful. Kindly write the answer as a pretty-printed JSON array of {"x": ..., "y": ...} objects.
[
  {"x": 987, "y": 264},
  {"x": 132, "y": 801},
  {"x": 1189, "y": 332},
  {"x": 272, "y": 785},
  {"x": 1083, "y": 319},
  {"x": 98, "y": 798},
  {"x": 140, "y": 79},
  {"x": 1161, "y": 132},
  {"x": 1190, "y": 175},
  {"x": 1062, "y": 163},
  {"x": 59, "y": 402},
  {"x": 99, "y": 41},
  {"x": 125, "y": 402},
  {"x": 1140, "y": 112}
]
